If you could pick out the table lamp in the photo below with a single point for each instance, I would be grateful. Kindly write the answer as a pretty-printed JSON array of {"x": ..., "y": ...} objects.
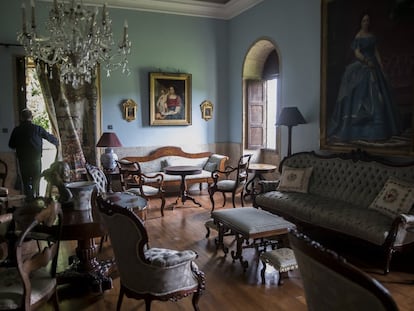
[
  {"x": 290, "y": 116},
  {"x": 109, "y": 158}
]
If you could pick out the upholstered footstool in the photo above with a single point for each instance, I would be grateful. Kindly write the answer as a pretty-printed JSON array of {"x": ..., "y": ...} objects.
[{"x": 282, "y": 259}]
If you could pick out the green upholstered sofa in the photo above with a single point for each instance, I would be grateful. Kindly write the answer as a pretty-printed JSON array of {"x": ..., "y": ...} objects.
[{"x": 346, "y": 194}]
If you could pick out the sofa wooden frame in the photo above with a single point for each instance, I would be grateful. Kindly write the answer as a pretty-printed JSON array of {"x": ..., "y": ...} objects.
[{"x": 177, "y": 151}]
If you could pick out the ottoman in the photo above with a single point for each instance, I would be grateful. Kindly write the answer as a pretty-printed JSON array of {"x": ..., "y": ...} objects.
[
  {"x": 256, "y": 227},
  {"x": 282, "y": 259}
]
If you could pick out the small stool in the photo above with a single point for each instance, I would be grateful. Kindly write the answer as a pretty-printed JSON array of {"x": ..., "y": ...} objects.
[{"x": 282, "y": 259}]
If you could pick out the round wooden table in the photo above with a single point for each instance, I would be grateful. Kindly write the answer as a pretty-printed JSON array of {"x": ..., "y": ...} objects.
[
  {"x": 84, "y": 226},
  {"x": 183, "y": 170},
  {"x": 258, "y": 169}
]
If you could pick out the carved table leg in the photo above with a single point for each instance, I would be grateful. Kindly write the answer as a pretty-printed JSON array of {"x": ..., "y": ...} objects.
[
  {"x": 86, "y": 268},
  {"x": 239, "y": 252},
  {"x": 220, "y": 239}
]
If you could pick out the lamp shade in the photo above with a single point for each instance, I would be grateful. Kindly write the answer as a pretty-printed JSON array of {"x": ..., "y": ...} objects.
[
  {"x": 109, "y": 140},
  {"x": 290, "y": 116},
  {"x": 109, "y": 158}
]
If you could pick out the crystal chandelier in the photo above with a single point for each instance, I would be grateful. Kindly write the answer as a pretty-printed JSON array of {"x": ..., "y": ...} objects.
[{"x": 78, "y": 39}]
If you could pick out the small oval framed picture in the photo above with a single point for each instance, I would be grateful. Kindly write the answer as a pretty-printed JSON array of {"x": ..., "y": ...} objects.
[
  {"x": 130, "y": 110},
  {"x": 206, "y": 110}
]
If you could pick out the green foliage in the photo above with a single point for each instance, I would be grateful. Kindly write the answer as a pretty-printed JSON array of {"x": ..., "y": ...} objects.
[{"x": 42, "y": 119}]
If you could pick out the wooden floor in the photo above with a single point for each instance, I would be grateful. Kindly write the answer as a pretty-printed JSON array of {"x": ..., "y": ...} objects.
[{"x": 227, "y": 287}]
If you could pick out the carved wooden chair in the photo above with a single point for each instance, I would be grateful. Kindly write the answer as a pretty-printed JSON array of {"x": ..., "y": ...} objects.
[
  {"x": 231, "y": 180},
  {"x": 99, "y": 177},
  {"x": 331, "y": 283},
  {"x": 4, "y": 192},
  {"x": 3, "y": 173},
  {"x": 148, "y": 273},
  {"x": 5, "y": 221},
  {"x": 138, "y": 183},
  {"x": 33, "y": 282}
]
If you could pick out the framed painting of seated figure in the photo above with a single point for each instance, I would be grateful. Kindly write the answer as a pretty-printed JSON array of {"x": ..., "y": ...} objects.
[{"x": 170, "y": 98}]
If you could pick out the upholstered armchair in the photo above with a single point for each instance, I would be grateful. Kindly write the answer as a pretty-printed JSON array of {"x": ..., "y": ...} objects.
[
  {"x": 138, "y": 183},
  {"x": 148, "y": 273},
  {"x": 331, "y": 283},
  {"x": 231, "y": 180}
]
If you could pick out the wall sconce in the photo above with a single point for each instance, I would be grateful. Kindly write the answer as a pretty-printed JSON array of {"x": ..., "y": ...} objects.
[
  {"x": 290, "y": 116},
  {"x": 109, "y": 158},
  {"x": 206, "y": 110}
]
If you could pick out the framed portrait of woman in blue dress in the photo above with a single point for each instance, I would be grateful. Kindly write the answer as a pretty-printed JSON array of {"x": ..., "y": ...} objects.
[{"x": 367, "y": 91}]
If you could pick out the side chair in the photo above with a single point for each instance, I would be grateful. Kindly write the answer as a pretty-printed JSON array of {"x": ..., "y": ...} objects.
[
  {"x": 231, "y": 180},
  {"x": 149, "y": 273},
  {"x": 99, "y": 177},
  {"x": 138, "y": 183},
  {"x": 331, "y": 283},
  {"x": 33, "y": 282}
]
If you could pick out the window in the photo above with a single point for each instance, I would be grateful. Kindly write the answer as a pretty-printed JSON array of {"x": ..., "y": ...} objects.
[
  {"x": 271, "y": 113},
  {"x": 261, "y": 79}
]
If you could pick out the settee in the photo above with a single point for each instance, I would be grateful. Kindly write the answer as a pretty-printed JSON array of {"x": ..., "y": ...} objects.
[
  {"x": 353, "y": 194},
  {"x": 157, "y": 160}
]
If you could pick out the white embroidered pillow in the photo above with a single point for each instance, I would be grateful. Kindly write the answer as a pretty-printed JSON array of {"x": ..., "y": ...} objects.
[
  {"x": 396, "y": 197},
  {"x": 295, "y": 179}
]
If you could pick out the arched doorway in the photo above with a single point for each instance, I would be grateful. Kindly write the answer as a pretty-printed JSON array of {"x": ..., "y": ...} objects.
[{"x": 261, "y": 93}]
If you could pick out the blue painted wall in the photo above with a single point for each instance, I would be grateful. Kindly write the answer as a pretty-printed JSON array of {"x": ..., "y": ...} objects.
[
  {"x": 294, "y": 26},
  {"x": 212, "y": 51}
]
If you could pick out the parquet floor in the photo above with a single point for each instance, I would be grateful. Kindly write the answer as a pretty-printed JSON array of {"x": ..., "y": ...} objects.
[{"x": 227, "y": 287}]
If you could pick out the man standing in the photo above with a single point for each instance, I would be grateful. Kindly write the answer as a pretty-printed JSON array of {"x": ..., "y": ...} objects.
[{"x": 27, "y": 140}]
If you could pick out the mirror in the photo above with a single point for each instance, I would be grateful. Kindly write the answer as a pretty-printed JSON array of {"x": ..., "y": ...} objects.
[
  {"x": 206, "y": 110},
  {"x": 130, "y": 110}
]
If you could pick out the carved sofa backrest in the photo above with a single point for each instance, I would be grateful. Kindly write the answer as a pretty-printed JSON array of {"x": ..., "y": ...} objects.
[{"x": 349, "y": 177}]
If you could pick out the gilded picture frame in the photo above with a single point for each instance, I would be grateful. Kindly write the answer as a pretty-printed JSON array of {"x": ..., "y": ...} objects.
[
  {"x": 170, "y": 98},
  {"x": 206, "y": 110},
  {"x": 130, "y": 110},
  {"x": 381, "y": 122}
]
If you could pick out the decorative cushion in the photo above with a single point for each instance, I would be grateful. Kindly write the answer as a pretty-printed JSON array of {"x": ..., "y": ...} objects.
[
  {"x": 164, "y": 164},
  {"x": 210, "y": 166},
  {"x": 226, "y": 185},
  {"x": 199, "y": 162},
  {"x": 213, "y": 162},
  {"x": 150, "y": 166},
  {"x": 396, "y": 197},
  {"x": 162, "y": 257},
  {"x": 295, "y": 179}
]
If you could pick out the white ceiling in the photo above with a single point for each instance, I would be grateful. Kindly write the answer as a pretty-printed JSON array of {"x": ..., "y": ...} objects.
[{"x": 221, "y": 9}]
